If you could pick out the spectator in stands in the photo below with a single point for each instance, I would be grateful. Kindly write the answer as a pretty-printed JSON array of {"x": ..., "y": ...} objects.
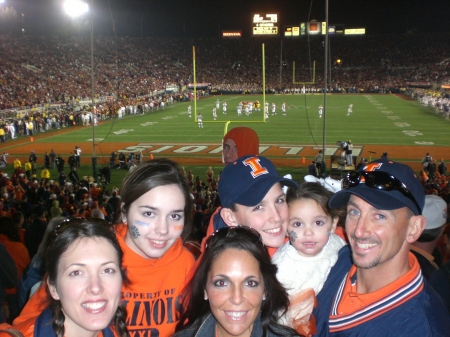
[
  {"x": 241, "y": 191},
  {"x": 383, "y": 219},
  {"x": 435, "y": 212},
  {"x": 97, "y": 211},
  {"x": 55, "y": 210},
  {"x": 238, "y": 142},
  {"x": 236, "y": 256}
]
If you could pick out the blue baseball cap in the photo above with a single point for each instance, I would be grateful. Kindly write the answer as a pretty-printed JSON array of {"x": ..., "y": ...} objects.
[
  {"x": 247, "y": 180},
  {"x": 412, "y": 196}
]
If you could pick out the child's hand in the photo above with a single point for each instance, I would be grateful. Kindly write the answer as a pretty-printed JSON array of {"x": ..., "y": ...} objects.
[{"x": 299, "y": 312}]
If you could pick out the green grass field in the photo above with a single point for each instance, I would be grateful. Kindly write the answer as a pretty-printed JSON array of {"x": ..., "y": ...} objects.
[{"x": 376, "y": 119}]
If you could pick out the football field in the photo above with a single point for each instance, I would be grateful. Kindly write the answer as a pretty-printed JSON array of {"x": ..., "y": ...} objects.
[
  {"x": 379, "y": 123},
  {"x": 376, "y": 119}
]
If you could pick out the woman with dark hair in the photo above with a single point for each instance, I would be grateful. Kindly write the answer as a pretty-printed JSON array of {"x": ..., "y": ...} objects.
[
  {"x": 157, "y": 215},
  {"x": 156, "y": 212},
  {"x": 84, "y": 280},
  {"x": 234, "y": 291}
]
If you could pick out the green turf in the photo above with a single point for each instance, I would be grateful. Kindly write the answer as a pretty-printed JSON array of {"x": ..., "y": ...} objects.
[
  {"x": 118, "y": 175},
  {"x": 376, "y": 119}
]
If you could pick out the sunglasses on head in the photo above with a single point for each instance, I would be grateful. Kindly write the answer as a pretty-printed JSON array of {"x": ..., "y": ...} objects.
[
  {"x": 380, "y": 181},
  {"x": 230, "y": 232}
]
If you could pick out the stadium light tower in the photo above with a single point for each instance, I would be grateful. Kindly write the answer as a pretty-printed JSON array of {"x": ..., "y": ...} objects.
[{"x": 75, "y": 8}]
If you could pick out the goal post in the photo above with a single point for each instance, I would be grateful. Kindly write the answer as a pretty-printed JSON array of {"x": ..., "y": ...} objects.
[
  {"x": 313, "y": 76},
  {"x": 240, "y": 121}
]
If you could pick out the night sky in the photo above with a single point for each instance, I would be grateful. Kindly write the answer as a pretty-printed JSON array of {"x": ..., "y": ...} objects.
[{"x": 206, "y": 18}]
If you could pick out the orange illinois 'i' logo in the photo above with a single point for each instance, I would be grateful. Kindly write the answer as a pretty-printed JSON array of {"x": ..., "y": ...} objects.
[
  {"x": 256, "y": 167},
  {"x": 370, "y": 167}
]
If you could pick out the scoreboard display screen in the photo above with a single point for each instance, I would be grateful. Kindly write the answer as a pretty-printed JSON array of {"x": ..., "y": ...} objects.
[
  {"x": 290, "y": 31},
  {"x": 265, "y": 24}
]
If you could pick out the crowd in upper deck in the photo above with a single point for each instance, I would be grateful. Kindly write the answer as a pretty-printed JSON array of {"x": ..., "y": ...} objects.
[{"x": 37, "y": 70}]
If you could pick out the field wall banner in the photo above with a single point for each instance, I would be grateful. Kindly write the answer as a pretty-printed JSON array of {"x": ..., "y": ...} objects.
[
  {"x": 420, "y": 84},
  {"x": 202, "y": 85}
]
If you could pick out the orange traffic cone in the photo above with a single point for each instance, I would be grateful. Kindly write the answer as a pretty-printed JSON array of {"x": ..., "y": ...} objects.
[
  {"x": 151, "y": 156},
  {"x": 303, "y": 160},
  {"x": 31, "y": 139}
]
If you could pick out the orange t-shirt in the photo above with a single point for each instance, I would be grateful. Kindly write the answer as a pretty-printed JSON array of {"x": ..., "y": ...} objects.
[{"x": 152, "y": 298}]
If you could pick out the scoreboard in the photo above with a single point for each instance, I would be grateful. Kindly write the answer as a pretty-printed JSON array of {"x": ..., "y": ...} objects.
[
  {"x": 265, "y": 24},
  {"x": 319, "y": 28}
]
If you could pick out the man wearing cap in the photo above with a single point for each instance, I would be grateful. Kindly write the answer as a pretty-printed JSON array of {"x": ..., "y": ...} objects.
[
  {"x": 250, "y": 190},
  {"x": 383, "y": 292},
  {"x": 435, "y": 211}
]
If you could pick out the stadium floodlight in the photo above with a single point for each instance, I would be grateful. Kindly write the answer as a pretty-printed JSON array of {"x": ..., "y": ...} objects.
[{"x": 75, "y": 8}]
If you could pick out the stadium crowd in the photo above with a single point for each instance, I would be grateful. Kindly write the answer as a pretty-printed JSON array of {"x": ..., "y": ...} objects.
[{"x": 39, "y": 70}]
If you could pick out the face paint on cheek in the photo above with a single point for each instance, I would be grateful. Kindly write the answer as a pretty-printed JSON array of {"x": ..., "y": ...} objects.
[
  {"x": 178, "y": 228},
  {"x": 141, "y": 223},
  {"x": 293, "y": 236},
  {"x": 134, "y": 232}
]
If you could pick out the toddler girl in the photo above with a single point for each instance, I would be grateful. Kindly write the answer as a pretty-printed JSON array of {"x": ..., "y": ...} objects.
[{"x": 304, "y": 262}]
